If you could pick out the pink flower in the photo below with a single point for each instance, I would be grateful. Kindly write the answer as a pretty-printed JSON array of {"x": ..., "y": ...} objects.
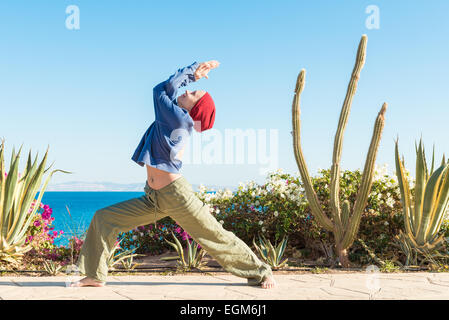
[
  {"x": 37, "y": 223},
  {"x": 178, "y": 230},
  {"x": 185, "y": 236},
  {"x": 46, "y": 215}
]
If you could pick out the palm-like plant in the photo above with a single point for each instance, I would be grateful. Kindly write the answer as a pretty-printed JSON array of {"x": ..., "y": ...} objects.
[
  {"x": 16, "y": 195},
  {"x": 272, "y": 254},
  {"x": 423, "y": 213}
]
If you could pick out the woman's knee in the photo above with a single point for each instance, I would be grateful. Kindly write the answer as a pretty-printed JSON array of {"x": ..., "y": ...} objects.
[{"x": 101, "y": 215}]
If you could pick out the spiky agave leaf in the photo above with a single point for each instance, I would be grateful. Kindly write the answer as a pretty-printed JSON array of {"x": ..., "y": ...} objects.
[
  {"x": 409, "y": 220},
  {"x": 429, "y": 204},
  {"x": 259, "y": 249},
  {"x": 435, "y": 217},
  {"x": 281, "y": 248}
]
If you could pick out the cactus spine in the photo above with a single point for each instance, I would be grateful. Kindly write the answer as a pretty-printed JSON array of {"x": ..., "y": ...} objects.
[{"x": 343, "y": 223}]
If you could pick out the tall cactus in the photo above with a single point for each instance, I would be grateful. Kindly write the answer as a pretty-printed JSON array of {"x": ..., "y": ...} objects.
[{"x": 344, "y": 222}]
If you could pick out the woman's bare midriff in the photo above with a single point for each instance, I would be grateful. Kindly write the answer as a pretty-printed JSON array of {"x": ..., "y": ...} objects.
[{"x": 158, "y": 179}]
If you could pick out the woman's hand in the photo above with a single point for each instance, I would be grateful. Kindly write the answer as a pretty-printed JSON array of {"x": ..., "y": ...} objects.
[{"x": 204, "y": 68}]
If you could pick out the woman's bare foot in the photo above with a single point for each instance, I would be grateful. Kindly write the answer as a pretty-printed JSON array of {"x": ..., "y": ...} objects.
[
  {"x": 87, "y": 282},
  {"x": 268, "y": 282}
]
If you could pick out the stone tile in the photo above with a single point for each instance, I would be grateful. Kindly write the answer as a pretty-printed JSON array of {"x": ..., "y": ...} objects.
[{"x": 228, "y": 287}]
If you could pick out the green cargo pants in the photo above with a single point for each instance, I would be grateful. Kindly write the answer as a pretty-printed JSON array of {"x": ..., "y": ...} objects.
[{"x": 178, "y": 201}]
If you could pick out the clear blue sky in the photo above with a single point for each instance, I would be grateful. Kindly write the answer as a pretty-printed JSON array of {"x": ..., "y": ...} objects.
[{"x": 88, "y": 93}]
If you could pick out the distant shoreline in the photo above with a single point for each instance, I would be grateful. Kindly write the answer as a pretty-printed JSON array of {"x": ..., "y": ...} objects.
[{"x": 79, "y": 186}]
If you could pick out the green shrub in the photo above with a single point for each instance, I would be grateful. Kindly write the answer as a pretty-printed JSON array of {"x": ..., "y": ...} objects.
[{"x": 278, "y": 208}]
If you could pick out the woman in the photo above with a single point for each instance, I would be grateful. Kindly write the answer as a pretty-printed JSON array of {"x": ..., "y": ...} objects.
[{"x": 167, "y": 192}]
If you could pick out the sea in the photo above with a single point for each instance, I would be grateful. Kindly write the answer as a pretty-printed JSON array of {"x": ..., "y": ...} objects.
[{"x": 73, "y": 210}]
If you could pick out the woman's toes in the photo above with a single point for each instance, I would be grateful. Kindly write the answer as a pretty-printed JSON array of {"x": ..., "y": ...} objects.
[{"x": 268, "y": 283}]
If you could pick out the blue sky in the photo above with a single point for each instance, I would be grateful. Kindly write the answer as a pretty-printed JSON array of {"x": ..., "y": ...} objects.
[{"x": 88, "y": 93}]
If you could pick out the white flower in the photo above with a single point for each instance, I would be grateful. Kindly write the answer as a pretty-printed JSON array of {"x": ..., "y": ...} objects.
[
  {"x": 257, "y": 202},
  {"x": 134, "y": 237},
  {"x": 276, "y": 213},
  {"x": 390, "y": 202},
  {"x": 386, "y": 223},
  {"x": 260, "y": 222},
  {"x": 141, "y": 234},
  {"x": 263, "y": 229},
  {"x": 217, "y": 210}
]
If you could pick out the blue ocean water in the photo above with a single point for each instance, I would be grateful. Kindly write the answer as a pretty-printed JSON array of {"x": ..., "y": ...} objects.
[{"x": 82, "y": 206}]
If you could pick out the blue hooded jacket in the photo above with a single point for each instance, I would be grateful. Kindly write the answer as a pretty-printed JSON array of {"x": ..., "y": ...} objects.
[{"x": 171, "y": 129}]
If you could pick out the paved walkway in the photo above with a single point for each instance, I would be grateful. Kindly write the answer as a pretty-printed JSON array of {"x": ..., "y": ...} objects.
[{"x": 364, "y": 286}]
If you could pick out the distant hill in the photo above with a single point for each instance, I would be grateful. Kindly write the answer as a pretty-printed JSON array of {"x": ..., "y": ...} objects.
[{"x": 110, "y": 186}]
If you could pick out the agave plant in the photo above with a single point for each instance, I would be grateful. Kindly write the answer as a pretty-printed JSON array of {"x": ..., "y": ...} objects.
[
  {"x": 424, "y": 211},
  {"x": 51, "y": 267},
  {"x": 128, "y": 263},
  {"x": 16, "y": 196},
  {"x": 272, "y": 254},
  {"x": 114, "y": 257},
  {"x": 194, "y": 257}
]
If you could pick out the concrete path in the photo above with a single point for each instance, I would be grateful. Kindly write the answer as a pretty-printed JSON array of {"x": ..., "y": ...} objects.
[{"x": 359, "y": 286}]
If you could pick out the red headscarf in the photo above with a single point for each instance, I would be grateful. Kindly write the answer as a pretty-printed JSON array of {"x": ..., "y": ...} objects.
[{"x": 204, "y": 111}]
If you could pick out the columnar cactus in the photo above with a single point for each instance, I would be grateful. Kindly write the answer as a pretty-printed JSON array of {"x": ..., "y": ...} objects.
[
  {"x": 344, "y": 222},
  {"x": 423, "y": 213}
]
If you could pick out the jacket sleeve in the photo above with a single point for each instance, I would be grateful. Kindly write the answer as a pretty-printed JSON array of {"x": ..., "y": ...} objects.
[{"x": 166, "y": 108}]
